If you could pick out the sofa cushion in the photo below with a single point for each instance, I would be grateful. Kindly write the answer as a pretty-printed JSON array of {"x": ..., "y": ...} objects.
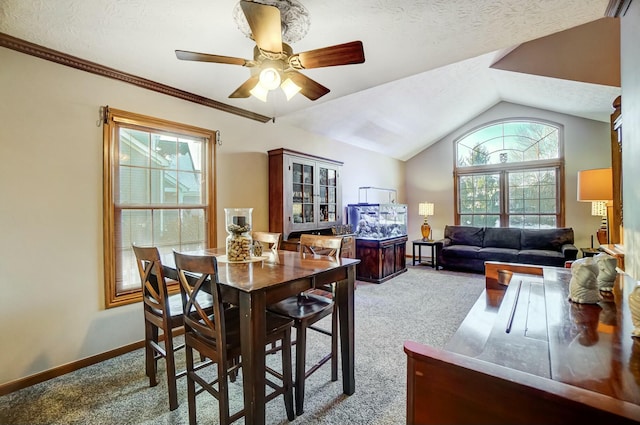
[
  {"x": 502, "y": 237},
  {"x": 460, "y": 251},
  {"x": 464, "y": 235},
  {"x": 542, "y": 257},
  {"x": 546, "y": 239},
  {"x": 507, "y": 255}
]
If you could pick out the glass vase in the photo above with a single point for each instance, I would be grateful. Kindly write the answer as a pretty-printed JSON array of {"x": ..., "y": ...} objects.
[{"x": 239, "y": 240}]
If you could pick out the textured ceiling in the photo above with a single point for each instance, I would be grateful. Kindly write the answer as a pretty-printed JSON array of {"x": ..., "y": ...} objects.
[{"x": 427, "y": 68}]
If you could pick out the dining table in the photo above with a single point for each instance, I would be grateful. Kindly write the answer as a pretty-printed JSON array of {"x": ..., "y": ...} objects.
[{"x": 254, "y": 284}]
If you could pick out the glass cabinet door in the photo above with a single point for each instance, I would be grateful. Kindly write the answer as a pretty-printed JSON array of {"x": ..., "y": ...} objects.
[
  {"x": 303, "y": 196},
  {"x": 328, "y": 199},
  {"x": 305, "y": 193}
]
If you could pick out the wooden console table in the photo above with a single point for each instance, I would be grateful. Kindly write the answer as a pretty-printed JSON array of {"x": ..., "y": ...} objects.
[{"x": 525, "y": 354}]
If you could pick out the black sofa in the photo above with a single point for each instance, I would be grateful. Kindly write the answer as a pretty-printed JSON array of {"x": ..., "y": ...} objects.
[{"x": 468, "y": 247}]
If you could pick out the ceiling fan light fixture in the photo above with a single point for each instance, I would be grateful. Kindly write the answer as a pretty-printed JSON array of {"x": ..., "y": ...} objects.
[
  {"x": 290, "y": 88},
  {"x": 274, "y": 61},
  {"x": 259, "y": 92},
  {"x": 270, "y": 78}
]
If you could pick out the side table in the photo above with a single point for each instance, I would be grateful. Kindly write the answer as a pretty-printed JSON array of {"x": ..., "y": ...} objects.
[
  {"x": 590, "y": 252},
  {"x": 431, "y": 261}
]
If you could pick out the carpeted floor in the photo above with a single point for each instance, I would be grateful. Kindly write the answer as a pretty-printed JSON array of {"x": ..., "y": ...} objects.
[{"x": 421, "y": 305}]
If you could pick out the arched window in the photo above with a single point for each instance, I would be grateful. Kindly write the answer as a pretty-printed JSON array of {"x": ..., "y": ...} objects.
[{"x": 510, "y": 174}]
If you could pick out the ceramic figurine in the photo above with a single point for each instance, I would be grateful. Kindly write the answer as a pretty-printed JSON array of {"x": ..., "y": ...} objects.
[
  {"x": 634, "y": 307},
  {"x": 607, "y": 271},
  {"x": 583, "y": 286}
]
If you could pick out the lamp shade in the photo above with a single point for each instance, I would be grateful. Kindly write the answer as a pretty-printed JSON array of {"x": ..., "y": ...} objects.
[
  {"x": 595, "y": 185},
  {"x": 425, "y": 208}
]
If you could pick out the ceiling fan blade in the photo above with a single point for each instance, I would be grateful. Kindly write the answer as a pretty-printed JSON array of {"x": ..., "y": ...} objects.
[
  {"x": 340, "y": 54},
  {"x": 308, "y": 87},
  {"x": 205, "y": 57},
  {"x": 245, "y": 89},
  {"x": 265, "y": 25}
]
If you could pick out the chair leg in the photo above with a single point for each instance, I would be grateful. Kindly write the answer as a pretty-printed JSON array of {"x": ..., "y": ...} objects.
[
  {"x": 301, "y": 350},
  {"x": 151, "y": 365},
  {"x": 171, "y": 370},
  {"x": 223, "y": 391},
  {"x": 334, "y": 345},
  {"x": 234, "y": 373},
  {"x": 191, "y": 385},
  {"x": 287, "y": 380}
]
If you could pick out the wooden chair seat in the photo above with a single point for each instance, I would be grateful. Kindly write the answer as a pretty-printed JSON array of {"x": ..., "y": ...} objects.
[
  {"x": 306, "y": 306},
  {"x": 275, "y": 326}
]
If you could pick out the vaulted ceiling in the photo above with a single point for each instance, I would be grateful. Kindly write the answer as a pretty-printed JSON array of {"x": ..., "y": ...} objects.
[{"x": 430, "y": 65}]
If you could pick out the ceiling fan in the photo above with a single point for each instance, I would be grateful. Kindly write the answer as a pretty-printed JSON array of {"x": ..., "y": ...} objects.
[{"x": 274, "y": 63}]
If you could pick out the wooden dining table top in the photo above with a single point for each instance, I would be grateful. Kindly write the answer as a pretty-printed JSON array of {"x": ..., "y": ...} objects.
[{"x": 276, "y": 267}]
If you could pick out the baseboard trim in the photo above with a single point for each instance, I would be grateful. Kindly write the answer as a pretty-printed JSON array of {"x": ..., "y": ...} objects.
[{"x": 37, "y": 378}]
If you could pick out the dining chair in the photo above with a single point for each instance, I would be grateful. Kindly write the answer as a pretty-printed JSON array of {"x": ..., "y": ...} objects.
[
  {"x": 270, "y": 239},
  {"x": 162, "y": 313},
  {"x": 308, "y": 308},
  {"x": 216, "y": 336}
]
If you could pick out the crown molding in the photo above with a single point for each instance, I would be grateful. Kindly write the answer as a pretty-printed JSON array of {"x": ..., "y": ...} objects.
[{"x": 41, "y": 52}]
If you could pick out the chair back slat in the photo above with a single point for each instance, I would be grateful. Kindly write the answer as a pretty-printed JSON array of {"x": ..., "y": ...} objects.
[
  {"x": 320, "y": 245},
  {"x": 198, "y": 274},
  {"x": 271, "y": 239},
  {"x": 154, "y": 287}
]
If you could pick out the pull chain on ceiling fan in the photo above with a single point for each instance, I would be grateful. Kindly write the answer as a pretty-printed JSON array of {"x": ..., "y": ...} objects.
[{"x": 274, "y": 64}]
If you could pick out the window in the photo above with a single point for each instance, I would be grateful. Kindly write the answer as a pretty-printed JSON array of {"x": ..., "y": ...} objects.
[
  {"x": 158, "y": 186},
  {"x": 510, "y": 174}
]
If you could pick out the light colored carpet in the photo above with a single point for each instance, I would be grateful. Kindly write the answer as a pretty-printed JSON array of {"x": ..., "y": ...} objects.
[{"x": 421, "y": 305}]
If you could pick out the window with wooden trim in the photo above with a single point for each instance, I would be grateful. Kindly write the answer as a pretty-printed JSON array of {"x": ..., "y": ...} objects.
[
  {"x": 510, "y": 174},
  {"x": 158, "y": 191}
]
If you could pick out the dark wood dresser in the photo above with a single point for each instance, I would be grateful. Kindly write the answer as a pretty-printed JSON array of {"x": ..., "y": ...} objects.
[{"x": 525, "y": 354}]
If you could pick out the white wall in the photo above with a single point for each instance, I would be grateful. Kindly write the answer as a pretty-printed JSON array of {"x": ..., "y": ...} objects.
[
  {"x": 51, "y": 255},
  {"x": 630, "y": 81},
  {"x": 430, "y": 173}
]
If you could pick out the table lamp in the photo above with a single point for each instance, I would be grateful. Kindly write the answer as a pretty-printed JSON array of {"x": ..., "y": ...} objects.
[
  {"x": 596, "y": 186},
  {"x": 425, "y": 209}
]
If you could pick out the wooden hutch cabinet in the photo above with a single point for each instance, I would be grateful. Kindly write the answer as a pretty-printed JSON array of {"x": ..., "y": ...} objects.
[{"x": 305, "y": 193}]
